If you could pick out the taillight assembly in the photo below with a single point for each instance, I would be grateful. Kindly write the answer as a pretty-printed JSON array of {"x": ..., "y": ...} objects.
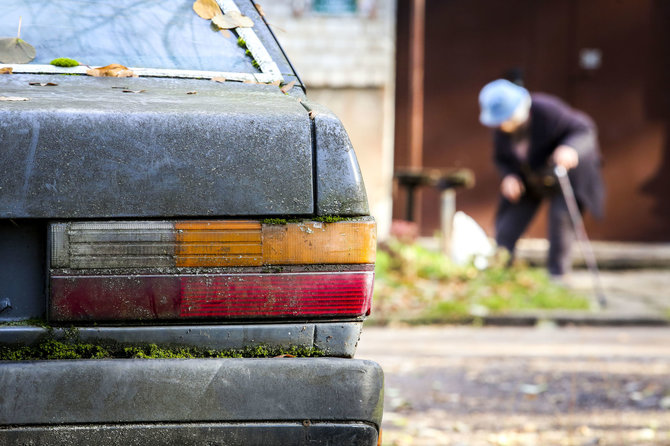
[{"x": 232, "y": 269}]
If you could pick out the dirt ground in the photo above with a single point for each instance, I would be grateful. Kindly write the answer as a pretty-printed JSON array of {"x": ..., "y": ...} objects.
[{"x": 523, "y": 386}]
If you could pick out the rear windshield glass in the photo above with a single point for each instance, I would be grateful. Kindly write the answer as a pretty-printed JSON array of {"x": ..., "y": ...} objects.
[{"x": 164, "y": 34}]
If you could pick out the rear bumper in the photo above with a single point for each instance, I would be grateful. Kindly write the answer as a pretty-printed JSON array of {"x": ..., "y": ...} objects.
[
  {"x": 233, "y": 434},
  {"x": 177, "y": 391},
  {"x": 332, "y": 338}
]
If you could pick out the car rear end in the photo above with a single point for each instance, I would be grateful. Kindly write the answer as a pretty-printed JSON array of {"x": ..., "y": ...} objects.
[{"x": 223, "y": 233}]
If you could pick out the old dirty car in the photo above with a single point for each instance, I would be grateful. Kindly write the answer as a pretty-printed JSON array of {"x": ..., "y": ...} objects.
[{"x": 200, "y": 210}]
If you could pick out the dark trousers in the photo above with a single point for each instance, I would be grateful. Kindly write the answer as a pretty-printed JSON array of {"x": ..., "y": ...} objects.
[{"x": 513, "y": 219}]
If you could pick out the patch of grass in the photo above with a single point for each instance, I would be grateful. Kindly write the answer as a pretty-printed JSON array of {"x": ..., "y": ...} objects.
[{"x": 416, "y": 285}]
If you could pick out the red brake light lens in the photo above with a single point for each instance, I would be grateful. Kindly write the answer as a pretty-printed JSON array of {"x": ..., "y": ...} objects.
[{"x": 221, "y": 296}]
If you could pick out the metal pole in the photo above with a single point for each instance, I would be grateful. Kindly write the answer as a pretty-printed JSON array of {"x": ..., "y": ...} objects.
[
  {"x": 447, "y": 211},
  {"x": 580, "y": 231},
  {"x": 416, "y": 75}
]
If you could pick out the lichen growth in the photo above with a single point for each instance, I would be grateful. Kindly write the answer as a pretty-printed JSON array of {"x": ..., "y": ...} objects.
[
  {"x": 274, "y": 221},
  {"x": 52, "y": 349},
  {"x": 280, "y": 221},
  {"x": 331, "y": 219},
  {"x": 243, "y": 44},
  {"x": 64, "y": 62},
  {"x": 26, "y": 322}
]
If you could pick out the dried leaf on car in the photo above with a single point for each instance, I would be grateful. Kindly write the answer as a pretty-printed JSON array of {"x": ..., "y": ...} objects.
[
  {"x": 285, "y": 89},
  {"x": 13, "y": 98},
  {"x": 259, "y": 8},
  {"x": 232, "y": 20},
  {"x": 112, "y": 70},
  {"x": 207, "y": 9},
  {"x": 6, "y": 70},
  {"x": 43, "y": 84},
  {"x": 16, "y": 50},
  {"x": 191, "y": 92},
  {"x": 133, "y": 91},
  {"x": 219, "y": 79}
]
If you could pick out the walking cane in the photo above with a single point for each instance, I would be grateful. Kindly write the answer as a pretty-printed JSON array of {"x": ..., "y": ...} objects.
[{"x": 580, "y": 231}]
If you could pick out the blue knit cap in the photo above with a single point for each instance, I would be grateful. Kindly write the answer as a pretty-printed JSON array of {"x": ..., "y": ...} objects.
[{"x": 498, "y": 101}]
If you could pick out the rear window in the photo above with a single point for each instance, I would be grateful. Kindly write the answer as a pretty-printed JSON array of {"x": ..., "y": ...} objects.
[{"x": 134, "y": 33}]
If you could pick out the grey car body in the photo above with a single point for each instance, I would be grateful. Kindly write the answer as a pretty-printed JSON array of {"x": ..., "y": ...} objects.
[{"x": 173, "y": 144}]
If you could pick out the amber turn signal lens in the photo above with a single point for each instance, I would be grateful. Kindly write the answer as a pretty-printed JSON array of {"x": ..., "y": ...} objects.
[
  {"x": 218, "y": 243},
  {"x": 210, "y": 244},
  {"x": 315, "y": 242}
]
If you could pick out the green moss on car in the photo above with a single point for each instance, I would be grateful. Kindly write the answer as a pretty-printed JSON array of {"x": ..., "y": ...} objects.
[
  {"x": 64, "y": 62},
  {"x": 51, "y": 349}
]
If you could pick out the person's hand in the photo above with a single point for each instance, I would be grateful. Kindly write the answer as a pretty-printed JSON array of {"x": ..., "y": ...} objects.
[
  {"x": 512, "y": 188},
  {"x": 566, "y": 156}
]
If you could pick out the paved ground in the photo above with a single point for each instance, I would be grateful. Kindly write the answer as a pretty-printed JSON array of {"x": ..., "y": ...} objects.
[
  {"x": 640, "y": 292},
  {"x": 523, "y": 386},
  {"x": 635, "y": 277}
]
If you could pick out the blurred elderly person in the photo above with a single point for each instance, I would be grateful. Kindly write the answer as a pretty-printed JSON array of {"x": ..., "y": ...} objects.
[{"x": 532, "y": 133}]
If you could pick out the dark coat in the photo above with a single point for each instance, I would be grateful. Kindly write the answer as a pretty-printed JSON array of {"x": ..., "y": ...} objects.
[{"x": 553, "y": 123}]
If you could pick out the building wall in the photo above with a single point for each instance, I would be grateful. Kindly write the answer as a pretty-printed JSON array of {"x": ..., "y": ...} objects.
[
  {"x": 347, "y": 62},
  {"x": 469, "y": 43}
]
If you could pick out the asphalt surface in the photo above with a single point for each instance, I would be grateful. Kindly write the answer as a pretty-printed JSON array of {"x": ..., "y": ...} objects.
[{"x": 523, "y": 386}]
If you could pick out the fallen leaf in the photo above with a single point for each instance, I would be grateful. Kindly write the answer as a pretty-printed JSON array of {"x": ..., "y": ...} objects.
[
  {"x": 191, "y": 92},
  {"x": 219, "y": 79},
  {"x": 232, "y": 20},
  {"x": 6, "y": 70},
  {"x": 259, "y": 8},
  {"x": 133, "y": 91},
  {"x": 533, "y": 389},
  {"x": 312, "y": 114},
  {"x": 275, "y": 83},
  {"x": 285, "y": 89},
  {"x": 43, "y": 84},
  {"x": 112, "y": 70},
  {"x": 207, "y": 9},
  {"x": 285, "y": 356},
  {"x": 16, "y": 50},
  {"x": 13, "y": 98}
]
